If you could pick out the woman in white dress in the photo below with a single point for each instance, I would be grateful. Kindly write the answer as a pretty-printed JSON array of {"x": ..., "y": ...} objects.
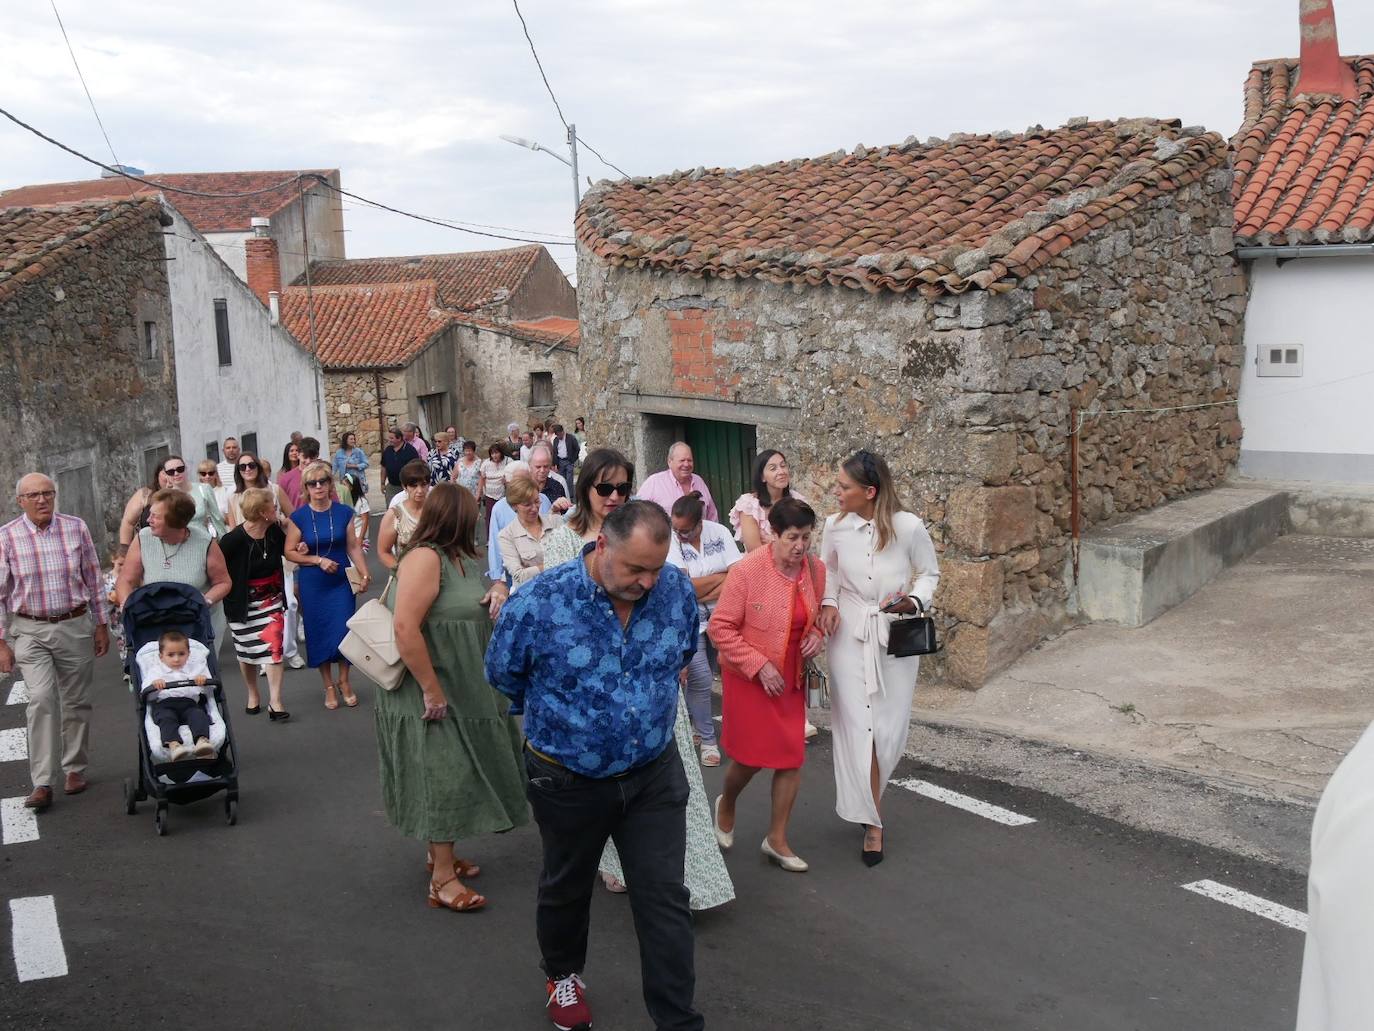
[{"x": 878, "y": 558}]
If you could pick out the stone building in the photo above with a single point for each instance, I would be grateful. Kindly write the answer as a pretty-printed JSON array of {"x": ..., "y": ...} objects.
[
  {"x": 1304, "y": 224},
  {"x": 949, "y": 303},
  {"x": 87, "y": 370},
  {"x": 473, "y": 340}
]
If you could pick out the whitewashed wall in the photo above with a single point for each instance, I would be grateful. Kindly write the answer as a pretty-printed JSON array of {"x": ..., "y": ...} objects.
[
  {"x": 1320, "y": 425},
  {"x": 230, "y": 247},
  {"x": 271, "y": 386}
]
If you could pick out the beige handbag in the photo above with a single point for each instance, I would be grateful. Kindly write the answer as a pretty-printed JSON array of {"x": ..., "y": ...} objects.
[
  {"x": 355, "y": 579},
  {"x": 371, "y": 643}
]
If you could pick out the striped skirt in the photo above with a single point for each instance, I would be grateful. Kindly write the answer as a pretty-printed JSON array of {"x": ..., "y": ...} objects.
[{"x": 259, "y": 639}]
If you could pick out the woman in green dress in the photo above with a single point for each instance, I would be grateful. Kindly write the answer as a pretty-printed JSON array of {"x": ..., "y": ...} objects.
[{"x": 450, "y": 752}]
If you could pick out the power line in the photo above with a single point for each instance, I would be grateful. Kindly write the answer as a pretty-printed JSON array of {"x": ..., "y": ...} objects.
[
  {"x": 557, "y": 107},
  {"x": 77, "y": 65}
]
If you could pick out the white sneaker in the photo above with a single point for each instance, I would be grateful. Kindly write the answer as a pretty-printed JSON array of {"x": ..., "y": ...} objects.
[
  {"x": 811, "y": 730},
  {"x": 296, "y": 662}
]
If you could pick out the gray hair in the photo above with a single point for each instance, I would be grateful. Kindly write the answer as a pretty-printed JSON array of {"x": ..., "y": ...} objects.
[
  {"x": 678, "y": 444},
  {"x": 623, "y": 521},
  {"x": 543, "y": 445},
  {"x": 20, "y": 482},
  {"x": 512, "y": 426},
  {"x": 410, "y": 426}
]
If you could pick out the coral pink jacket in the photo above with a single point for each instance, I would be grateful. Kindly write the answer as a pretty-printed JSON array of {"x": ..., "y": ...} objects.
[{"x": 753, "y": 618}]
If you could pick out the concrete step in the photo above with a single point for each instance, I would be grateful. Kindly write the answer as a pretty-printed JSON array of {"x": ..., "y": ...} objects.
[
  {"x": 1130, "y": 572},
  {"x": 1323, "y": 509}
]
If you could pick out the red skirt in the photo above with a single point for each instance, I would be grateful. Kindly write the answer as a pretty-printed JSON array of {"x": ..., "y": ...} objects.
[{"x": 758, "y": 729}]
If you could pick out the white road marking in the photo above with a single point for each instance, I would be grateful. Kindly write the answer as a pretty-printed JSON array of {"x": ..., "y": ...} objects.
[
  {"x": 14, "y": 744},
  {"x": 38, "y": 951},
  {"x": 17, "y": 823},
  {"x": 972, "y": 805},
  {"x": 19, "y": 694},
  {"x": 1250, "y": 903}
]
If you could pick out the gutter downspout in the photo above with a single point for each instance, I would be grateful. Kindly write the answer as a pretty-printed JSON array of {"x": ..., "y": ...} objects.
[{"x": 1287, "y": 252}]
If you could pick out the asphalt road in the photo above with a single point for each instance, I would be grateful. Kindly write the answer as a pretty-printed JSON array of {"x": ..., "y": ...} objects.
[{"x": 311, "y": 913}]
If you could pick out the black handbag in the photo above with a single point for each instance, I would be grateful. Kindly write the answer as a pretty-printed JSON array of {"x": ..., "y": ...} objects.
[{"x": 914, "y": 635}]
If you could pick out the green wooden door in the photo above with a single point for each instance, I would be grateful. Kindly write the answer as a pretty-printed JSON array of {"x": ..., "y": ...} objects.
[{"x": 723, "y": 452}]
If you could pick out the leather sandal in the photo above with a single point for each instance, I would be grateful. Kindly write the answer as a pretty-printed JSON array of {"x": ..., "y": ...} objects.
[
  {"x": 331, "y": 700},
  {"x": 461, "y": 868},
  {"x": 350, "y": 699},
  {"x": 464, "y": 902}
]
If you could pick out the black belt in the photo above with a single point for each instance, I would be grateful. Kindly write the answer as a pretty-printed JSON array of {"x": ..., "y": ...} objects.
[
  {"x": 80, "y": 610},
  {"x": 613, "y": 776}
]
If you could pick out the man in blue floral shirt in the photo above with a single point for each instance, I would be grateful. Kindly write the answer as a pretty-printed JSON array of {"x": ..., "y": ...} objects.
[{"x": 591, "y": 652}]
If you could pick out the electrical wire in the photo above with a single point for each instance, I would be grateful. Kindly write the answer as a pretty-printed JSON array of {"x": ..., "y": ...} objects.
[
  {"x": 556, "y": 105},
  {"x": 77, "y": 65}
]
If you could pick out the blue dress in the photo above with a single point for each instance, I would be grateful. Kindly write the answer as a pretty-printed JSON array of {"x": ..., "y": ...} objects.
[{"x": 326, "y": 599}]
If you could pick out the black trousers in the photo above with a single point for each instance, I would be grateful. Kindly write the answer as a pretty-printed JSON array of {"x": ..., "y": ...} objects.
[
  {"x": 170, "y": 713},
  {"x": 645, "y": 813}
]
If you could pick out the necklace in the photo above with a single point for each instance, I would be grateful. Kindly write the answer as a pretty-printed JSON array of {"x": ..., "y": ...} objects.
[
  {"x": 168, "y": 556},
  {"x": 321, "y": 546}
]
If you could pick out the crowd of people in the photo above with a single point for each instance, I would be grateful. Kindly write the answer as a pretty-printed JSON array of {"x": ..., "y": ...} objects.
[{"x": 565, "y": 676}]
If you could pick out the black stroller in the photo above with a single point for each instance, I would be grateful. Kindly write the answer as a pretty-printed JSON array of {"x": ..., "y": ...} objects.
[{"x": 149, "y": 611}]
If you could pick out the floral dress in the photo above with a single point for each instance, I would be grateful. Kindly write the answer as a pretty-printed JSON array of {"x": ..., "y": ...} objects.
[
  {"x": 708, "y": 881},
  {"x": 748, "y": 504}
]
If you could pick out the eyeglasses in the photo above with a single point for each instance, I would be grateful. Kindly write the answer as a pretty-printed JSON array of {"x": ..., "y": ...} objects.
[
  {"x": 248, "y": 465},
  {"x": 318, "y": 483},
  {"x": 175, "y": 470},
  {"x": 605, "y": 489},
  {"x": 38, "y": 495},
  {"x": 207, "y": 472}
]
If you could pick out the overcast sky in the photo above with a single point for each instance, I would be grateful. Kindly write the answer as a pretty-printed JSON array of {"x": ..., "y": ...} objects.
[{"x": 408, "y": 98}]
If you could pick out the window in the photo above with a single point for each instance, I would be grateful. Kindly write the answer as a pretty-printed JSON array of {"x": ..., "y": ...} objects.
[
  {"x": 541, "y": 390},
  {"x": 212, "y": 450},
  {"x": 222, "y": 331},
  {"x": 1279, "y": 360},
  {"x": 249, "y": 442},
  {"x": 152, "y": 458},
  {"x": 150, "y": 340}
]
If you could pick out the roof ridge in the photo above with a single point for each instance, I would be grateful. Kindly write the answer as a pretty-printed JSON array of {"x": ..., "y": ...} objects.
[{"x": 25, "y": 266}]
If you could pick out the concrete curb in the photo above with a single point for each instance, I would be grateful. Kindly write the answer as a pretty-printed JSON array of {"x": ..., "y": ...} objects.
[{"x": 1228, "y": 815}]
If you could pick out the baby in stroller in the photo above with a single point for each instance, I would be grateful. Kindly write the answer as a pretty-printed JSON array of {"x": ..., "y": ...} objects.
[{"x": 174, "y": 658}]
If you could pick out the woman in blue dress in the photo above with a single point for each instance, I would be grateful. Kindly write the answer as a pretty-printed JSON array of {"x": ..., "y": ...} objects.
[{"x": 321, "y": 541}]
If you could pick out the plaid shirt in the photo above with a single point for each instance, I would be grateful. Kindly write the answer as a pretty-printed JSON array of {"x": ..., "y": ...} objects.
[{"x": 48, "y": 572}]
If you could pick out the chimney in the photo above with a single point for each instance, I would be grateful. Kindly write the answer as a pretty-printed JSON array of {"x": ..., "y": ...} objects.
[
  {"x": 274, "y": 306},
  {"x": 1320, "y": 68},
  {"x": 264, "y": 266}
]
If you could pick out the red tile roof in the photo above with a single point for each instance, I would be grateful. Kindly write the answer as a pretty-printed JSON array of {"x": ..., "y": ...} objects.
[
  {"x": 465, "y": 281},
  {"x": 550, "y": 331},
  {"x": 1304, "y": 165},
  {"x": 35, "y": 241},
  {"x": 207, "y": 214},
  {"x": 380, "y": 326},
  {"x": 943, "y": 217}
]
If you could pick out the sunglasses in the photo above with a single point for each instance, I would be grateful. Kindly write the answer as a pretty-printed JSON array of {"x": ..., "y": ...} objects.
[
  {"x": 248, "y": 465},
  {"x": 318, "y": 483},
  {"x": 175, "y": 470},
  {"x": 207, "y": 472},
  {"x": 606, "y": 489}
]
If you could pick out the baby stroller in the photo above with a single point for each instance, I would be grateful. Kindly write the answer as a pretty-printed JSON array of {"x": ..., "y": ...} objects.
[{"x": 149, "y": 611}]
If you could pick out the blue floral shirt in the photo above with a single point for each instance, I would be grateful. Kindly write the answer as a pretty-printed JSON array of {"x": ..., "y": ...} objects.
[{"x": 597, "y": 698}]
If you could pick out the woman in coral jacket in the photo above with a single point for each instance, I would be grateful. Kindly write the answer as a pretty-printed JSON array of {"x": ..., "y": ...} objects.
[{"x": 764, "y": 628}]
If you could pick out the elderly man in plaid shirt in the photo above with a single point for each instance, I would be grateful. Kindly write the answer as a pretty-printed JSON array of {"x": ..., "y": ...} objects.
[{"x": 52, "y": 610}]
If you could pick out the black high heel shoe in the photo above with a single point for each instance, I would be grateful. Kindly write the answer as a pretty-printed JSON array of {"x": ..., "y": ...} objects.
[
  {"x": 252, "y": 710},
  {"x": 871, "y": 857},
  {"x": 274, "y": 715}
]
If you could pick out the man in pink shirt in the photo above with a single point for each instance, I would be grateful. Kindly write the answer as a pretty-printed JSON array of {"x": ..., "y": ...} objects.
[
  {"x": 413, "y": 438},
  {"x": 52, "y": 626},
  {"x": 665, "y": 487}
]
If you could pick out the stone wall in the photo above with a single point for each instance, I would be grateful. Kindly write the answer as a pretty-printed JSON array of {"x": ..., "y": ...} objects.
[
  {"x": 496, "y": 370},
  {"x": 80, "y": 399},
  {"x": 967, "y": 396},
  {"x": 351, "y": 404}
]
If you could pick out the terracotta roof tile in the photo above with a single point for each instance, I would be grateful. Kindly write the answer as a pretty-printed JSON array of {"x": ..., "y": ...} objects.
[
  {"x": 35, "y": 241},
  {"x": 379, "y": 326},
  {"x": 465, "y": 281},
  {"x": 207, "y": 214},
  {"x": 1304, "y": 164},
  {"x": 944, "y": 217}
]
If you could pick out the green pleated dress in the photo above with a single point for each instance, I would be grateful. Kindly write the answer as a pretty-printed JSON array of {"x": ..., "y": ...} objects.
[{"x": 461, "y": 776}]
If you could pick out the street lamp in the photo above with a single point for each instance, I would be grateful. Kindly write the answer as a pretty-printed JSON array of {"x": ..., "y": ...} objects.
[{"x": 570, "y": 161}]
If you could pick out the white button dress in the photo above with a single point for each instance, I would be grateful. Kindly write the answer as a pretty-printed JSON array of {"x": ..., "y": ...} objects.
[{"x": 871, "y": 691}]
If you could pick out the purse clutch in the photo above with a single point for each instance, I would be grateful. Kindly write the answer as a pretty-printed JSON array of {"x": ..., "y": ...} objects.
[
  {"x": 914, "y": 635},
  {"x": 370, "y": 644},
  {"x": 355, "y": 578},
  {"x": 817, "y": 686}
]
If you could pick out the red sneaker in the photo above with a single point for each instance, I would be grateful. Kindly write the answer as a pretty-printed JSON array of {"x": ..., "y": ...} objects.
[{"x": 567, "y": 1004}]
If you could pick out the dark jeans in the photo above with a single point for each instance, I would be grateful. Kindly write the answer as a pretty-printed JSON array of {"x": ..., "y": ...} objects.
[
  {"x": 170, "y": 713},
  {"x": 565, "y": 470},
  {"x": 645, "y": 813}
]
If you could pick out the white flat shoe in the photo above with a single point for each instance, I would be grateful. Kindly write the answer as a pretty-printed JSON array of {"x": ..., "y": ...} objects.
[
  {"x": 792, "y": 864},
  {"x": 723, "y": 838}
]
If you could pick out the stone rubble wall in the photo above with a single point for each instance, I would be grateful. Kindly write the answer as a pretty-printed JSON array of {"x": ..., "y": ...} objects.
[
  {"x": 351, "y": 404},
  {"x": 967, "y": 397}
]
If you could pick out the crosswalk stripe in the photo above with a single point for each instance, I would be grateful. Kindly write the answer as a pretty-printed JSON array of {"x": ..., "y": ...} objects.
[
  {"x": 19, "y": 694},
  {"x": 970, "y": 805},
  {"x": 14, "y": 744},
  {"x": 17, "y": 824},
  {"x": 1250, "y": 903},
  {"x": 38, "y": 950}
]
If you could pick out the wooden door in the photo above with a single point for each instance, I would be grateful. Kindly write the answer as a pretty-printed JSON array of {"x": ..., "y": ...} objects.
[{"x": 723, "y": 452}]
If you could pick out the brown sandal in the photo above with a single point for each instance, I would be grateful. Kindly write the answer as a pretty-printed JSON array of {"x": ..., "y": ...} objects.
[
  {"x": 461, "y": 868},
  {"x": 464, "y": 902}
]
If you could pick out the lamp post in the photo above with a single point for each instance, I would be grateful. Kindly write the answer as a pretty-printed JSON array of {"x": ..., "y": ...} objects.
[{"x": 570, "y": 160}]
